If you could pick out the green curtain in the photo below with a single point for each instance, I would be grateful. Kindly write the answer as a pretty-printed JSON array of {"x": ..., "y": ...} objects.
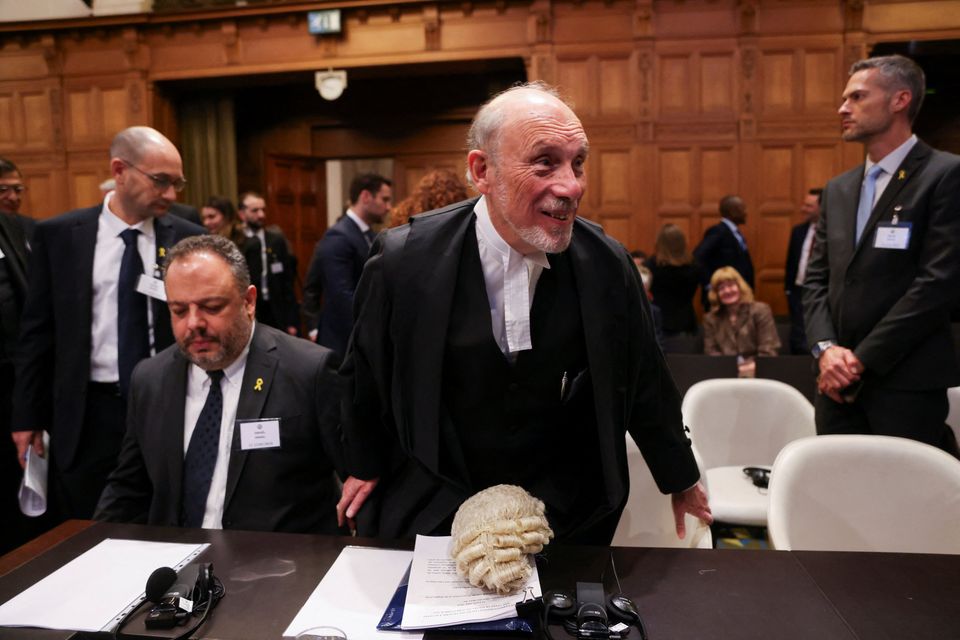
[{"x": 208, "y": 143}]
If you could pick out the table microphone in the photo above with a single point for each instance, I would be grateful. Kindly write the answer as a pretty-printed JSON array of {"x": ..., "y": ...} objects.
[{"x": 159, "y": 582}]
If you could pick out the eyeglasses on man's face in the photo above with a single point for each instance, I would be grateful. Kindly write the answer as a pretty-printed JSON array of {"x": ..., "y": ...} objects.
[
  {"x": 12, "y": 188},
  {"x": 161, "y": 181}
]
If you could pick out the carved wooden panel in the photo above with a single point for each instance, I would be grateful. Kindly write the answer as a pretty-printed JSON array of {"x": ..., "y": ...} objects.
[
  {"x": 84, "y": 184},
  {"x": 821, "y": 80},
  {"x": 675, "y": 85},
  {"x": 615, "y": 88},
  {"x": 774, "y": 177},
  {"x": 574, "y": 82},
  {"x": 96, "y": 110},
  {"x": 777, "y": 81},
  {"x": 45, "y": 195},
  {"x": 675, "y": 169},
  {"x": 716, "y": 84},
  {"x": 820, "y": 163},
  {"x": 617, "y": 227},
  {"x": 614, "y": 179},
  {"x": 29, "y": 117},
  {"x": 718, "y": 174}
]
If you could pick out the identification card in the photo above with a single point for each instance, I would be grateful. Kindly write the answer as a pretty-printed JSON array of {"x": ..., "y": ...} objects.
[
  {"x": 153, "y": 287},
  {"x": 276, "y": 267},
  {"x": 892, "y": 236},
  {"x": 260, "y": 434}
]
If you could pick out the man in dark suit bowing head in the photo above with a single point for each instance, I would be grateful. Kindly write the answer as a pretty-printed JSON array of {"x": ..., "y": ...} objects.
[
  {"x": 505, "y": 340},
  {"x": 235, "y": 427},
  {"x": 885, "y": 269},
  {"x": 94, "y": 309}
]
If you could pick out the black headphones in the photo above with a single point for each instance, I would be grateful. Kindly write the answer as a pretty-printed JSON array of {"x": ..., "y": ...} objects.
[{"x": 561, "y": 606}]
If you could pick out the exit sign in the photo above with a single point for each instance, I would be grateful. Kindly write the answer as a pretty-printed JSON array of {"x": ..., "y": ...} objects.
[{"x": 321, "y": 22}]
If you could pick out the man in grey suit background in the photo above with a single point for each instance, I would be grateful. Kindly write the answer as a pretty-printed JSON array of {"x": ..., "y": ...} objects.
[
  {"x": 91, "y": 313},
  {"x": 885, "y": 270},
  {"x": 235, "y": 426}
]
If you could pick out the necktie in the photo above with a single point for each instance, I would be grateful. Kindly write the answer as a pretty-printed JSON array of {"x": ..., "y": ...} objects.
[
  {"x": 867, "y": 193},
  {"x": 741, "y": 239},
  {"x": 132, "y": 341},
  {"x": 370, "y": 236},
  {"x": 202, "y": 455}
]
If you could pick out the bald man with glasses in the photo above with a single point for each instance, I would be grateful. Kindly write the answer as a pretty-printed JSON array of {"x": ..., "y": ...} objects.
[{"x": 95, "y": 307}]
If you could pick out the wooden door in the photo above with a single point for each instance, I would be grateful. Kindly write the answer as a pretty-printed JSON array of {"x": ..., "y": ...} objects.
[{"x": 296, "y": 201}]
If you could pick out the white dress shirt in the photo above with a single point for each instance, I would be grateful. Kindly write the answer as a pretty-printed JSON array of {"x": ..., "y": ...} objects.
[
  {"x": 889, "y": 163},
  {"x": 805, "y": 253},
  {"x": 262, "y": 288},
  {"x": 198, "y": 386},
  {"x": 107, "y": 256},
  {"x": 511, "y": 279}
]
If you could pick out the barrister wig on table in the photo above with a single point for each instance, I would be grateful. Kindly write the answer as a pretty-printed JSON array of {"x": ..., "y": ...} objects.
[{"x": 493, "y": 533}]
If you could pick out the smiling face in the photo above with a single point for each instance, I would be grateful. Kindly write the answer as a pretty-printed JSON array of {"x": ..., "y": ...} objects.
[
  {"x": 534, "y": 179},
  {"x": 11, "y": 189},
  {"x": 211, "y": 317},
  {"x": 869, "y": 108},
  {"x": 212, "y": 219},
  {"x": 728, "y": 292}
]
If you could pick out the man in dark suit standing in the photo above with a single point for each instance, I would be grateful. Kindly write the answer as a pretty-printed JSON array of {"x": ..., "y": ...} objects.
[
  {"x": 17, "y": 528},
  {"x": 460, "y": 378},
  {"x": 339, "y": 258},
  {"x": 723, "y": 245},
  {"x": 235, "y": 427},
  {"x": 269, "y": 261},
  {"x": 885, "y": 270},
  {"x": 91, "y": 313},
  {"x": 798, "y": 257}
]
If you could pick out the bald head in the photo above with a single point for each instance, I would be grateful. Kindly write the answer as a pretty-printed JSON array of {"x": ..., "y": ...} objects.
[
  {"x": 527, "y": 154},
  {"x": 148, "y": 172}
]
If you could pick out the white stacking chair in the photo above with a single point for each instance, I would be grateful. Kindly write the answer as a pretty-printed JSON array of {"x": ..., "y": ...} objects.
[
  {"x": 647, "y": 520},
  {"x": 865, "y": 493},
  {"x": 737, "y": 423},
  {"x": 953, "y": 416}
]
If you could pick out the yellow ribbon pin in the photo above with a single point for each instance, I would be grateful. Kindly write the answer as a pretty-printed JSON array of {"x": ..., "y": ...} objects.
[
  {"x": 902, "y": 175},
  {"x": 259, "y": 385},
  {"x": 163, "y": 251}
]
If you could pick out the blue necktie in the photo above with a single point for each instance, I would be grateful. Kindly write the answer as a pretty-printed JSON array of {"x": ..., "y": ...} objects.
[
  {"x": 202, "y": 455},
  {"x": 867, "y": 193},
  {"x": 133, "y": 344}
]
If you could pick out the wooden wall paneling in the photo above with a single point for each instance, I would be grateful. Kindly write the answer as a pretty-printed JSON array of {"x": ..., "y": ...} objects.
[
  {"x": 778, "y": 81},
  {"x": 675, "y": 85},
  {"x": 83, "y": 181},
  {"x": 30, "y": 117},
  {"x": 675, "y": 168},
  {"x": 577, "y": 82},
  {"x": 820, "y": 163},
  {"x": 45, "y": 195},
  {"x": 408, "y": 169},
  {"x": 614, "y": 197},
  {"x": 821, "y": 78},
  {"x": 616, "y": 90},
  {"x": 96, "y": 109},
  {"x": 717, "y": 84}
]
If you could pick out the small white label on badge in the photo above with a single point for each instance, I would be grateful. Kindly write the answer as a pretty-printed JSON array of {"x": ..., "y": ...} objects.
[
  {"x": 892, "y": 236},
  {"x": 153, "y": 287},
  {"x": 2, "y": 255},
  {"x": 186, "y": 605},
  {"x": 260, "y": 434},
  {"x": 276, "y": 267}
]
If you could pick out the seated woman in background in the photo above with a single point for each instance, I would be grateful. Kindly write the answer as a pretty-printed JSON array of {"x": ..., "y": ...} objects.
[
  {"x": 675, "y": 280},
  {"x": 436, "y": 189},
  {"x": 220, "y": 217},
  {"x": 738, "y": 325}
]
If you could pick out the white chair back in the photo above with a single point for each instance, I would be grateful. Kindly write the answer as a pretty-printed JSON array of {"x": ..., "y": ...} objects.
[
  {"x": 742, "y": 422},
  {"x": 865, "y": 493},
  {"x": 647, "y": 520}
]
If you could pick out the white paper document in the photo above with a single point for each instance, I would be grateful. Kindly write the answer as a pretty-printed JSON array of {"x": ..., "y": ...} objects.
[
  {"x": 90, "y": 592},
  {"x": 354, "y": 593},
  {"x": 33, "y": 486},
  {"x": 438, "y": 597}
]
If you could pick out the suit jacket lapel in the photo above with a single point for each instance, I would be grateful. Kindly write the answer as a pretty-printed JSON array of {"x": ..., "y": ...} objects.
[
  {"x": 12, "y": 244},
  {"x": 165, "y": 239},
  {"x": 423, "y": 314},
  {"x": 171, "y": 445},
  {"x": 258, "y": 377},
  {"x": 604, "y": 313},
  {"x": 85, "y": 243}
]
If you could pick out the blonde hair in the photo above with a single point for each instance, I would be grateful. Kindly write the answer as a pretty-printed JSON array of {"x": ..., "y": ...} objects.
[{"x": 728, "y": 274}]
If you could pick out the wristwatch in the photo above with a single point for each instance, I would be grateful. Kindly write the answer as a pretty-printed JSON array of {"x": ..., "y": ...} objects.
[{"x": 822, "y": 346}]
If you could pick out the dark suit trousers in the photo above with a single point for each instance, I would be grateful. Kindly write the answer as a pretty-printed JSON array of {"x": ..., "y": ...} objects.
[
  {"x": 918, "y": 415},
  {"x": 76, "y": 490},
  {"x": 798, "y": 335}
]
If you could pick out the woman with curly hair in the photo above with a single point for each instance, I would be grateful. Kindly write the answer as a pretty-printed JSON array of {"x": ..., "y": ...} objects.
[{"x": 436, "y": 189}]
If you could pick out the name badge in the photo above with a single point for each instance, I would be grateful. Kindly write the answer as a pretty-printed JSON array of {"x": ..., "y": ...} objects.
[
  {"x": 276, "y": 267},
  {"x": 153, "y": 287},
  {"x": 259, "y": 434},
  {"x": 892, "y": 236},
  {"x": 2, "y": 255}
]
